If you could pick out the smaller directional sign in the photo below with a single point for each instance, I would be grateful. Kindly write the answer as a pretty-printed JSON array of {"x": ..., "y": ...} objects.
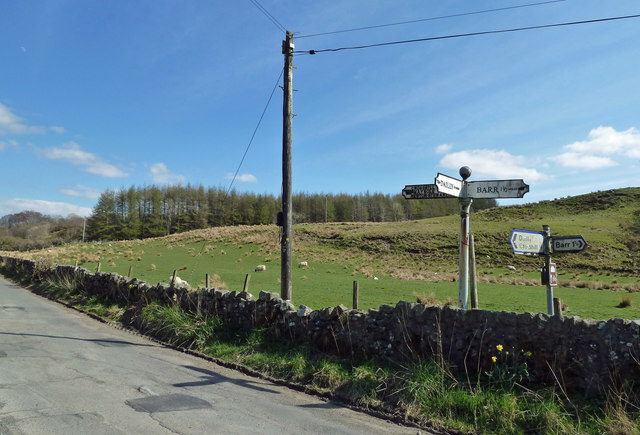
[
  {"x": 423, "y": 191},
  {"x": 497, "y": 189},
  {"x": 527, "y": 242},
  {"x": 449, "y": 185},
  {"x": 568, "y": 243},
  {"x": 553, "y": 275}
]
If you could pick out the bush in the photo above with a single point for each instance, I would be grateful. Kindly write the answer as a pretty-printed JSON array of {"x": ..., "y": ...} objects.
[{"x": 625, "y": 302}]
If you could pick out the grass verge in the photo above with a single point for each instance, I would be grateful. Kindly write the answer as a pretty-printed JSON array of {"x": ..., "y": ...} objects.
[{"x": 424, "y": 392}]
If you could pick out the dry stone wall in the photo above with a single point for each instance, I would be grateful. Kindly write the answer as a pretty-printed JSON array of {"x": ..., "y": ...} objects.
[{"x": 583, "y": 354}]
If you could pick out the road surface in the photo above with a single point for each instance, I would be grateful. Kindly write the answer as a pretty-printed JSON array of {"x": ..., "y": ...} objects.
[{"x": 62, "y": 372}]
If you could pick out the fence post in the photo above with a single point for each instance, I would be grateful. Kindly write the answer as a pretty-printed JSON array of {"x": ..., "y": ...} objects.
[
  {"x": 173, "y": 278},
  {"x": 246, "y": 283},
  {"x": 98, "y": 267},
  {"x": 356, "y": 291},
  {"x": 473, "y": 279},
  {"x": 557, "y": 306},
  {"x": 206, "y": 281},
  {"x": 130, "y": 270}
]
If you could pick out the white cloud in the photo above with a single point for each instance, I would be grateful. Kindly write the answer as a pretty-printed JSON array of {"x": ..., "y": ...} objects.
[
  {"x": 601, "y": 143},
  {"x": 244, "y": 178},
  {"x": 8, "y": 144},
  {"x": 12, "y": 124},
  {"x": 161, "y": 174},
  {"x": 73, "y": 153},
  {"x": 57, "y": 129},
  {"x": 443, "y": 149},
  {"x": 486, "y": 163},
  {"x": 24, "y": 50},
  {"x": 80, "y": 191},
  {"x": 584, "y": 161},
  {"x": 16, "y": 205}
]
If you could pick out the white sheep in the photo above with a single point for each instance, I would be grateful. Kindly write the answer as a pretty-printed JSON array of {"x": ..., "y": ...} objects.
[
  {"x": 303, "y": 264},
  {"x": 261, "y": 268},
  {"x": 179, "y": 282}
]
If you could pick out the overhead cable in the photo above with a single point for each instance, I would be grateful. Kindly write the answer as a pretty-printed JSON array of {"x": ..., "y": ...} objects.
[
  {"x": 462, "y": 35},
  {"x": 484, "y": 11},
  {"x": 268, "y": 15},
  {"x": 253, "y": 135}
]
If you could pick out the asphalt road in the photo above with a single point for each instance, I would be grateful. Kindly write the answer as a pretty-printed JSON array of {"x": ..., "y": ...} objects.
[{"x": 62, "y": 372}]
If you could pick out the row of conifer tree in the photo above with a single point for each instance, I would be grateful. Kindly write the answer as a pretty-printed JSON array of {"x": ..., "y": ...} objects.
[{"x": 149, "y": 211}]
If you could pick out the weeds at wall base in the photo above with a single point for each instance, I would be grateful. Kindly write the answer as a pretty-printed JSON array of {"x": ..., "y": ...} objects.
[{"x": 423, "y": 391}]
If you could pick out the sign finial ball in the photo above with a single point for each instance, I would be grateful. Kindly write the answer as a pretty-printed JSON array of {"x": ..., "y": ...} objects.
[{"x": 465, "y": 172}]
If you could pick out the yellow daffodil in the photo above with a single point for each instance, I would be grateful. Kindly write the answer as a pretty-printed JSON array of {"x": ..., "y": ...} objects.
[
  {"x": 494, "y": 359},
  {"x": 499, "y": 347}
]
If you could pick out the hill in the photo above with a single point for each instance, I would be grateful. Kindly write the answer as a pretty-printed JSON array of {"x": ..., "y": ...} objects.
[{"x": 408, "y": 257}]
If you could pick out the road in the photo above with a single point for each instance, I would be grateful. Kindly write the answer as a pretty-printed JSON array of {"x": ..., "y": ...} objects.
[{"x": 62, "y": 372}]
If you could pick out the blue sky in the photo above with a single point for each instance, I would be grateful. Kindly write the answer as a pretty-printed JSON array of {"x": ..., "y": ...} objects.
[{"x": 102, "y": 95}]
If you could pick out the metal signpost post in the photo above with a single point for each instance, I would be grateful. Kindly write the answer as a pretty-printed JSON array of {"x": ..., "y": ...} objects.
[{"x": 449, "y": 187}]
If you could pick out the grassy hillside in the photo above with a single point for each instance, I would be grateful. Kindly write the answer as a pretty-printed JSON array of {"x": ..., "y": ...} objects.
[{"x": 409, "y": 257}]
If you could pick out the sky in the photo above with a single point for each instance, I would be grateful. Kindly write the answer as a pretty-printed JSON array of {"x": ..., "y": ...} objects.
[{"x": 98, "y": 95}]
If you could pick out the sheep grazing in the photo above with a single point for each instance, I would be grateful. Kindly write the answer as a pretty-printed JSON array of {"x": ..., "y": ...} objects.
[
  {"x": 303, "y": 264},
  {"x": 179, "y": 282},
  {"x": 261, "y": 268}
]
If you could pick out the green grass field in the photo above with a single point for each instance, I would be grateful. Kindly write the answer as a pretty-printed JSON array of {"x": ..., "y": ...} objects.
[{"x": 409, "y": 258}]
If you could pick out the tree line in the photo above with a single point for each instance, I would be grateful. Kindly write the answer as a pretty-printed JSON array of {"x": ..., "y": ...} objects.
[
  {"x": 32, "y": 230},
  {"x": 150, "y": 211}
]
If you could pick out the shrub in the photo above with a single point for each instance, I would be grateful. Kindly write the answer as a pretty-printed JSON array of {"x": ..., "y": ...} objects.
[
  {"x": 625, "y": 302},
  {"x": 427, "y": 300}
]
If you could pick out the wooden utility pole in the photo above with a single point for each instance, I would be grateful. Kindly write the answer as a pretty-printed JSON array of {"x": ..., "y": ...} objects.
[{"x": 287, "y": 212}]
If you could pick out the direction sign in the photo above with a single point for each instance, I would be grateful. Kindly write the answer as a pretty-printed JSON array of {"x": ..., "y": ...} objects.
[
  {"x": 553, "y": 275},
  {"x": 448, "y": 185},
  {"x": 423, "y": 191},
  {"x": 497, "y": 189},
  {"x": 527, "y": 242},
  {"x": 568, "y": 243}
]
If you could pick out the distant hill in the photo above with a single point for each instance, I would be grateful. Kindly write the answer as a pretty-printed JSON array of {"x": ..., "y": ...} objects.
[
  {"x": 609, "y": 221},
  {"x": 425, "y": 249}
]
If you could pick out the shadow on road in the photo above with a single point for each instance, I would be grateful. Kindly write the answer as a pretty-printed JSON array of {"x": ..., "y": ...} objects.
[
  {"x": 100, "y": 341},
  {"x": 211, "y": 378}
]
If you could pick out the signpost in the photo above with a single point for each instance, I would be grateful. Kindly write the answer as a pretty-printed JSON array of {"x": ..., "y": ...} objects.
[
  {"x": 568, "y": 244},
  {"x": 527, "y": 242},
  {"x": 497, "y": 189},
  {"x": 423, "y": 191},
  {"x": 448, "y": 187},
  {"x": 535, "y": 243}
]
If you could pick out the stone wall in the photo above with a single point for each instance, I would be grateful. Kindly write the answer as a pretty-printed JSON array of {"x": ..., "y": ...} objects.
[{"x": 582, "y": 354}]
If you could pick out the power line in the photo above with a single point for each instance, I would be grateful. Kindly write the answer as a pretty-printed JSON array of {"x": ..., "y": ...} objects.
[
  {"x": 430, "y": 19},
  {"x": 462, "y": 35},
  {"x": 253, "y": 135},
  {"x": 268, "y": 15}
]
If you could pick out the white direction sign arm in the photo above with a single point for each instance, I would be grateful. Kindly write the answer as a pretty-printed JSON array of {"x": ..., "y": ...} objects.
[
  {"x": 449, "y": 185},
  {"x": 497, "y": 189},
  {"x": 527, "y": 242}
]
